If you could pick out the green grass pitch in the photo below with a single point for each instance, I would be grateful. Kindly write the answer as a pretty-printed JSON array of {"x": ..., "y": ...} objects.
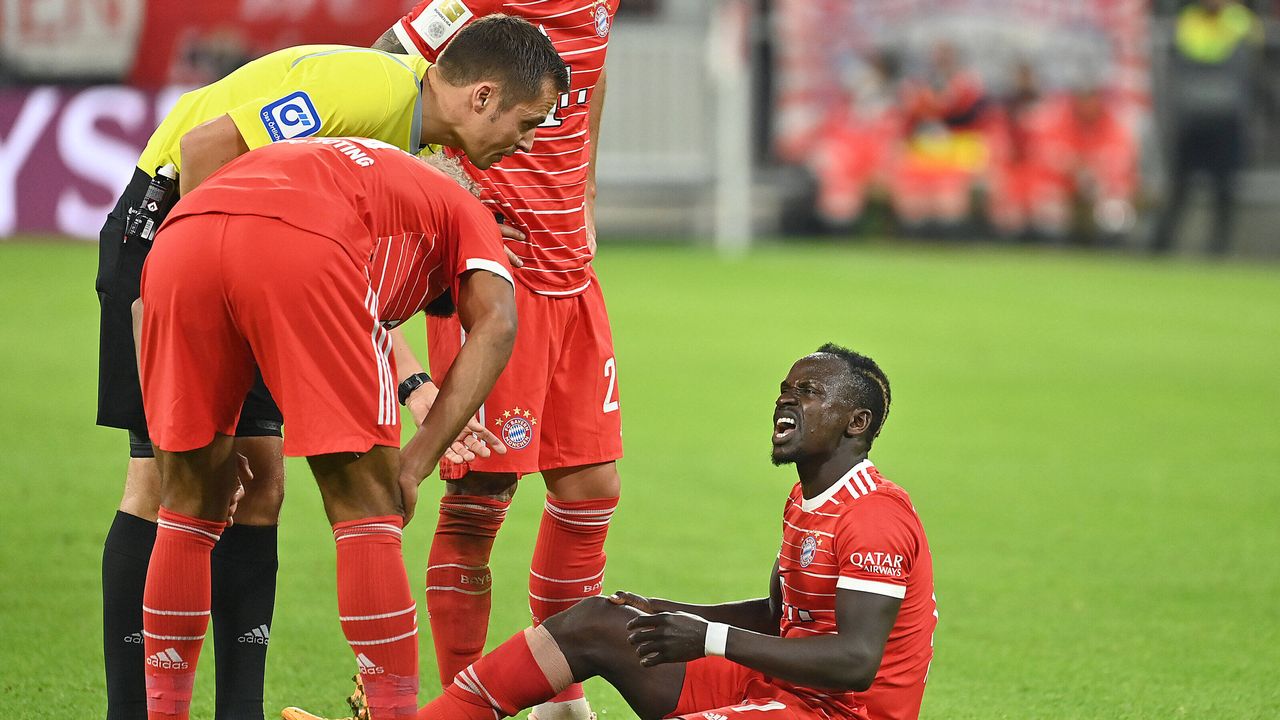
[{"x": 1092, "y": 442}]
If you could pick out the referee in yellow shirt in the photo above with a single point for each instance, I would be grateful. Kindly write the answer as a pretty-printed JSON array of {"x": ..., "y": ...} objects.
[{"x": 486, "y": 94}]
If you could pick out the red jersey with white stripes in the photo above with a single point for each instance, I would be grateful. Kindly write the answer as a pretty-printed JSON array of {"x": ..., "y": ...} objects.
[
  {"x": 415, "y": 230},
  {"x": 861, "y": 534},
  {"x": 540, "y": 192}
]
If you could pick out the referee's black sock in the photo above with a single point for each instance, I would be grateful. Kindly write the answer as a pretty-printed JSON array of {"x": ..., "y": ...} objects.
[
  {"x": 244, "y": 595},
  {"x": 125, "y": 556}
]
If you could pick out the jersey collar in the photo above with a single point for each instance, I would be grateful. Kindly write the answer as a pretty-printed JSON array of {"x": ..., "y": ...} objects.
[{"x": 817, "y": 501}]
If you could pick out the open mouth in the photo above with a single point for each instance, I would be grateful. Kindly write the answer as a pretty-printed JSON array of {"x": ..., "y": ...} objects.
[{"x": 783, "y": 428}]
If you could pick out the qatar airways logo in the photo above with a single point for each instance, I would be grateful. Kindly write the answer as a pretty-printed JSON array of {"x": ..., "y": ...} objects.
[{"x": 878, "y": 563}]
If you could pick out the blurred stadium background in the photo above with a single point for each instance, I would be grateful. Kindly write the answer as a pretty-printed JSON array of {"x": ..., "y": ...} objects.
[
  {"x": 965, "y": 189},
  {"x": 1041, "y": 120}
]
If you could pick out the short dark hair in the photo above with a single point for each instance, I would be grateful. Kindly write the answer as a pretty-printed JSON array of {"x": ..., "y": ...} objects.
[
  {"x": 869, "y": 383},
  {"x": 508, "y": 50}
]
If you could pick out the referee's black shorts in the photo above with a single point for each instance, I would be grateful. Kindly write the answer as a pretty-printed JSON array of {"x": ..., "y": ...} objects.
[{"x": 119, "y": 392}]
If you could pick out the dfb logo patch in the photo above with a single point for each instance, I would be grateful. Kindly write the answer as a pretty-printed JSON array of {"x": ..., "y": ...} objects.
[{"x": 292, "y": 116}]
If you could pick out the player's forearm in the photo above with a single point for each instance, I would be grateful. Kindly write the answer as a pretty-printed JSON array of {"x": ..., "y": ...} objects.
[
  {"x": 754, "y": 615},
  {"x": 471, "y": 377},
  {"x": 595, "y": 114},
  {"x": 827, "y": 662},
  {"x": 407, "y": 362},
  {"x": 207, "y": 147}
]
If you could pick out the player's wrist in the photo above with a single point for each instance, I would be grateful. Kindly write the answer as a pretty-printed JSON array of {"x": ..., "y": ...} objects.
[
  {"x": 410, "y": 385},
  {"x": 717, "y": 639}
]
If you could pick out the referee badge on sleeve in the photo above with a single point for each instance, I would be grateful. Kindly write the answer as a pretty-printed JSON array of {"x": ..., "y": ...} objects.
[{"x": 292, "y": 116}]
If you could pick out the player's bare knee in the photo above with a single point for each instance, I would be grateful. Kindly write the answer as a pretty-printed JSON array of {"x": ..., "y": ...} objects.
[
  {"x": 584, "y": 482},
  {"x": 199, "y": 482},
  {"x": 589, "y": 622},
  {"x": 500, "y": 486},
  {"x": 355, "y": 486},
  {"x": 264, "y": 493},
  {"x": 141, "y": 496}
]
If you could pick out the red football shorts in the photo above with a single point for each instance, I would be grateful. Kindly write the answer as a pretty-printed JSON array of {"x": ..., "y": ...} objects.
[
  {"x": 222, "y": 293},
  {"x": 556, "y": 403},
  {"x": 719, "y": 689}
]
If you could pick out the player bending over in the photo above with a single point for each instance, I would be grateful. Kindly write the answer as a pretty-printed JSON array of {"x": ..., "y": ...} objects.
[
  {"x": 847, "y": 629},
  {"x": 297, "y": 258},
  {"x": 485, "y": 96}
]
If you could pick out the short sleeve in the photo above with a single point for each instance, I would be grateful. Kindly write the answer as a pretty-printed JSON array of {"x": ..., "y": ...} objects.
[
  {"x": 478, "y": 242},
  {"x": 344, "y": 93},
  {"x": 430, "y": 25},
  {"x": 876, "y": 545}
]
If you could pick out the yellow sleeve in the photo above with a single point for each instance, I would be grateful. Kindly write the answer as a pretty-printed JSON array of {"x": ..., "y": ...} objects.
[{"x": 355, "y": 92}]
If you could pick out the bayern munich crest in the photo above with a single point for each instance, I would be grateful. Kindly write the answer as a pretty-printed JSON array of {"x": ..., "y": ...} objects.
[
  {"x": 517, "y": 428},
  {"x": 807, "y": 550},
  {"x": 601, "y": 15}
]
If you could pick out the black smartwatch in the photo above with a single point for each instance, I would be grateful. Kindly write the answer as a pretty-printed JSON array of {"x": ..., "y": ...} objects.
[{"x": 411, "y": 383}]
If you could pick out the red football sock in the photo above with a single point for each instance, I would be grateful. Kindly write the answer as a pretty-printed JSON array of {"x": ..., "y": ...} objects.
[
  {"x": 458, "y": 579},
  {"x": 175, "y": 610},
  {"x": 568, "y": 561},
  {"x": 378, "y": 614},
  {"x": 527, "y": 669}
]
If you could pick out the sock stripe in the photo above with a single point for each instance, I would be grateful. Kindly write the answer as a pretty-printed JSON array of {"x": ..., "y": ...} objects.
[
  {"x": 180, "y": 613},
  {"x": 153, "y": 636},
  {"x": 471, "y": 675},
  {"x": 560, "y": 510},
  {"x": 555, "y": 600},
  {"x": 384, "y": 641},
  {"x": 570, "y": 580},
  {"x": 381, "y": 616},
  {"x": 170, "y": 525},
  {"x": 450, "y": 588}
]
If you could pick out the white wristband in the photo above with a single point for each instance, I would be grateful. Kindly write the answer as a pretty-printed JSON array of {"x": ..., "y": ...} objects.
[{"x": 717, "y": 638}]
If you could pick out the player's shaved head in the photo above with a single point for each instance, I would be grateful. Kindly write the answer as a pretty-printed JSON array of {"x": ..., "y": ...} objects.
[
  {"x": 508, "y": 51},
  {"x": 864, "y": 382}
]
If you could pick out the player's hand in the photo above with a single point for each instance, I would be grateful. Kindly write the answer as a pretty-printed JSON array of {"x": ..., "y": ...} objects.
[
  {"x": 639, "y": 602},
  {"x": 420, "y": 401},
  {"x": 409, "y": 495},
  {"x": 510, "y": 233},
  {"x": 243, "y": 475},
  {"x": 667, "y": 638},
  {"x": 475, "y": 441}
]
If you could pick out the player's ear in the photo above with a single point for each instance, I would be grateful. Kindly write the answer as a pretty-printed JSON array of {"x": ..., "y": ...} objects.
[
  {"x": 859, "y": 423},
  {"x": 484, "y": 98}
]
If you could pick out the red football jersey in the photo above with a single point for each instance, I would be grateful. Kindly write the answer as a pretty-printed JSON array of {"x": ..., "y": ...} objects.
[
  {"x": 414, "y": 229},
  {"x": 861, "y": 534},
  {"x": 540, "y": 192}
]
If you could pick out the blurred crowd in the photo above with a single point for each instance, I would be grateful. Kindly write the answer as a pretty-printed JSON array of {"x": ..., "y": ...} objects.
[
  {"x": 942, "y": 152},
  {"x": 1028, "y": 152}
]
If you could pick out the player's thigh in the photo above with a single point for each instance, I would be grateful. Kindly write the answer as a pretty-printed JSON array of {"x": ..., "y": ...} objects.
[
  {"x": 309, "y": 315},
  {"x": 583, "y": 424},
  {"x": 195, "y": 364},
  {"x": 717, "y": 689}
]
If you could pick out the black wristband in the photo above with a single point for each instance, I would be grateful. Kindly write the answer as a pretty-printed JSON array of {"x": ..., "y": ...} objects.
[{"x": 411, "y": 383}]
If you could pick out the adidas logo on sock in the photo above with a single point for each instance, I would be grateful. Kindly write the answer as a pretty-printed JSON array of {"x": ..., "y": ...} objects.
[
  {"x": 367, "y": 666},
  {"x": 260, "y": 635},
  {"x": 134, "y": 639},
  {"x": 168, "y": 660}
]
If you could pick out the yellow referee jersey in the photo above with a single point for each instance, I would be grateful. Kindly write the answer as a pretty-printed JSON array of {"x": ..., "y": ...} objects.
[{"x": 324, "y": 90}]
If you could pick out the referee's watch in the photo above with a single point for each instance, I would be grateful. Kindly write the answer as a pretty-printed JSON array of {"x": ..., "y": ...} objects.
[{"x": 411, "y": 383}]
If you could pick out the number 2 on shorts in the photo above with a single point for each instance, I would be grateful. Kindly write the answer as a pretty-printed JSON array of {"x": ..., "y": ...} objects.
[{"x": 610, "y": 374}]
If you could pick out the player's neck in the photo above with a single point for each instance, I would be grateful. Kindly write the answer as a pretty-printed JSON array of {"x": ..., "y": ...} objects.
[
  {"x": 819, "y": 474},
  {"x": 436, "y": 127}
]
